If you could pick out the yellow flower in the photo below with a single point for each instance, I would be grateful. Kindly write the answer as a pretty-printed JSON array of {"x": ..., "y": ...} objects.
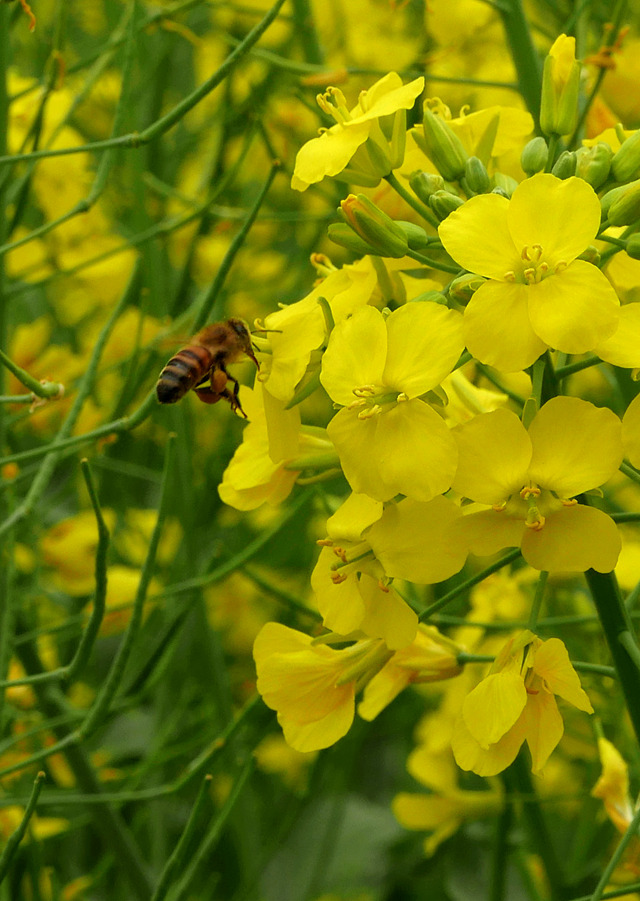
[
  {"x": 515, "y": 703},
  {"x": 297, "y": 330},
  {"x": 262, "y": 469},
  {"x": 529, "y": 479},
  {"x": 312, "y": 686},
  {"x": 367, "y": 547},
  {"x": 537, "y": 293},
  {"x": 390, "y": 441},
  {"x": 372, "y": 120}
]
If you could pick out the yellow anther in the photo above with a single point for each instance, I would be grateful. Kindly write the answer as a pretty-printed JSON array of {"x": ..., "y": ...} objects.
[
  {"x": 340, "y": 552},
  {"x": 370, "y": 412},
  {"x": 509, "y": 276},
  {"x": 324, "y": 542},
  {"x": 402, "y": 397},
  {"x": 535, "y": 524},
  {"x": 365, "y": 391},
  {"x": 356, "y": 403},
  {"x": 532, "y": 253},
  {"x": 499, "y": 508},
  {"x": 337, "y": 578},
  {"x": 530, "y": 275},
  {"x": 529, "y": 491},
  {"x": 568, "y": 501},
  {"x": 382, "y": 586}
]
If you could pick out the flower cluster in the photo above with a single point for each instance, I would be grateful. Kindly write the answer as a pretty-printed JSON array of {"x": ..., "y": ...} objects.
[{"x": 447, "y": 351}]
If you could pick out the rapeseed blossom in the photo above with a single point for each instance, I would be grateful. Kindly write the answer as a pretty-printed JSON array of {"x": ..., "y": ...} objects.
[
  {"x": 529, "y": 480},
  {"x": 538, "y": 294},
  {"x": 515, "y": 703},
  {"x": 390, "y": 441},
  {"x": 331, "y": 153}
]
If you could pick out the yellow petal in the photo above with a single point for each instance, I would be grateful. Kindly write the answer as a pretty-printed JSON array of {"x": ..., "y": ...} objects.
[
  {"x": 574, "y": 310},
  {"x": 413, "y": 540},
  {"x": 485, "y": 761},
  {"x": 573, "y": 540},
  {"x": 355, "y": 356},
  {"x": 623, "y": 347},
  {"x": 477, "y": 236},
  {"x": 576, "y": 446},
  {"x": 543, "y": 212},
  {"x": 551, "y": 663},
  {"x": 424, "y": 344},
  {"x": 497, "y": 327},
  {"x": 494, "y": 452},
  {"x": 543, "y": 726},
  {"x": 494, "y": 705}
]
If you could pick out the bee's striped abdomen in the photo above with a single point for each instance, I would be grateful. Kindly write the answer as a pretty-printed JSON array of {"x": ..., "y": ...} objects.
[{"x": 189, "y": 366}]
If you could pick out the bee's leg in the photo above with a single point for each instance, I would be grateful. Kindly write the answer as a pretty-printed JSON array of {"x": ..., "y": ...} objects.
[{"x": 232, "y": 397}]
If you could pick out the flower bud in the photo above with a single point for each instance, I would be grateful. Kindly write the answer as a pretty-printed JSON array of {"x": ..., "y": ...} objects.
[
  {"x": 416, "y": 236},
  {"x": 626, "y": 162},
  {"x": 593, "y": 164},
  {"x": 625, "y": 208},
  {"x": 465, "y": 286},
  {"x": 633, "y": 246},
  {"x": 590, "y": 254},
  {"x": 560, "y": 88},
  {"x": 565, "y": 165},
  {"x": 504, "y": 184},
  {"x": 476, "y": 178},
  {"x": 442, "y": 203},
  {"x": 430, "y": 297},
  {"x": 379, "y": 231},
  {"x": 424, "y": 184},
  {"x": 534, "y": 156},
  {"x": 342, "y": 234},
  {"x": 443, "y": 147}
]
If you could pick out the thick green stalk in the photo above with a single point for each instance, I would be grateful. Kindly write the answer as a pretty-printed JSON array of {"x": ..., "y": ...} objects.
[
  {"x": 617, "y": 627},
  {"x": 524, "y": 54}
]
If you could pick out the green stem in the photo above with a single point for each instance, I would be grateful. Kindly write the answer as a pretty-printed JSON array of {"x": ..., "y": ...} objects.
[
  {"x": 90, "y": 634},
  {"x": 16, "y": 837},
  {"x": 615, "y": 621},
  {"x": 500, "y": 853},
  {"x": 41, "y": 389},
  {"x": 519, "y": 782},
  {"x": 306, "y": 33},
  {"x": 524, "y": 55},
  {"x": 433, "y": 264},
  {"x": 469, "y": 583},
  {"x": 416, "y": 204},
  {"x": 178, "y": 859},
  {"x": 114, "y": 678},
  {"x": 537, "y": 601},
  {"x": 630, "y": 834}
]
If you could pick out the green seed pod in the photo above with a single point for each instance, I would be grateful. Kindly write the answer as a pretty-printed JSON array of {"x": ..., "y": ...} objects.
[
  {"x": 534, "y": 156},
  {"x": 424, "y": 184},
  {"x": 442, "y": 203},
  {"x": 594, "y": 163},
  {"x": 565, "y": 165},
  {"x": 443, "y": 147},
  {"x": 626, "y": 162}
]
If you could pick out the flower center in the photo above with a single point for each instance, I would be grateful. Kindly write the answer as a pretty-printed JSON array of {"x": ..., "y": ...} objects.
[
  {"x": 534, "y": 267},
  {"x": 334, "y": 104},
  {"x": 371, "y": 400}
]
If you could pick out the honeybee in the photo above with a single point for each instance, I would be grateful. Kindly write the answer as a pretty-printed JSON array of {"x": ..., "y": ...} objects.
[{"x": 204, "y": 359}]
